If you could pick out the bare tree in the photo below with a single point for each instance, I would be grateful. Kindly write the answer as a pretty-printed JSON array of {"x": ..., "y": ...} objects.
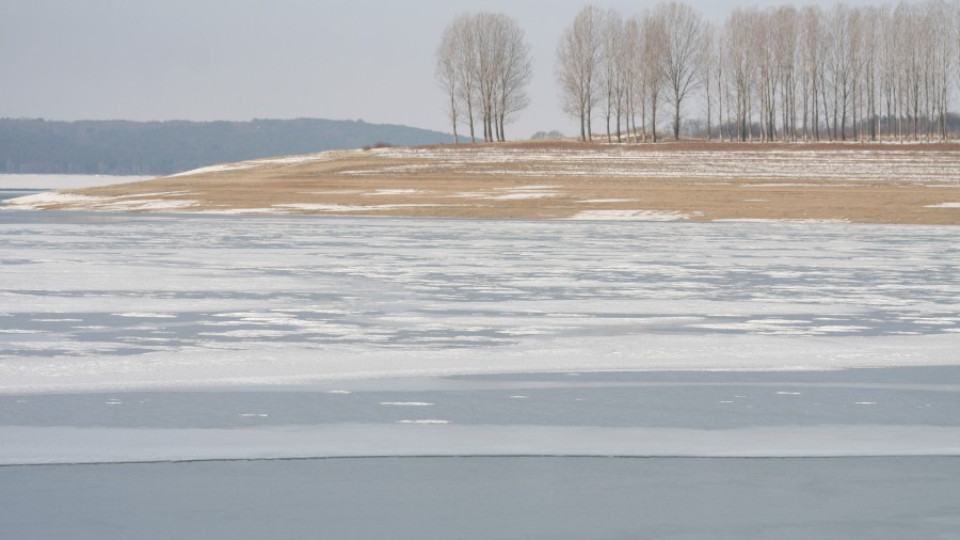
[
  {"x": 632, "y": 50},
  {"x": 810, "y": 62},
  {"x": 912, "y": 69},
  {"x": 838, "y": 74},
  {"x": 856, "y": 66},
  {"x": 710, "y": 70},
  {"x": 488, "y": 63},
  {"x": 940, "y": 29},
  {"x": 783, "y": 73},
  {"x": 762, "y": 51},
  {"x": 455, "y": 71},
  {"x": 892, "y": 31},
  {"x": 613, "y": 72},
  {"x": 578, "y": 58},
  {"x": 738, "y": 44},
  {"x": 654, "y": 41},
  {"x": 873, "y": 54},
  {"x": 786, "y": 24},
  {"x": 483, "y": 63},
  {"x": 448, "y": 70},
  {"x": 466, "y": 54},
  {"x": 446, "y": 74},
  {"x": 513, "y": 75},
  {"x": 682, "y": 30}
]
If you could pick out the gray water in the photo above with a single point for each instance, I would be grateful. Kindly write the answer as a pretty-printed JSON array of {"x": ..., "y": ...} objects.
[
  {"x": 684, "y": 400},
  {"x": 488, "y": 499}
]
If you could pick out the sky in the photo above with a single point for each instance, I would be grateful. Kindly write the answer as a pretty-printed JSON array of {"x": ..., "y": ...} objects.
[{"x": 245, "y": 59}]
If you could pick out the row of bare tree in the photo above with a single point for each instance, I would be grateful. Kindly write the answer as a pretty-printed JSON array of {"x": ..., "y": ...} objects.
[
  {"x": 483, "y": 65},
  {"x": 781, "y": 73}
]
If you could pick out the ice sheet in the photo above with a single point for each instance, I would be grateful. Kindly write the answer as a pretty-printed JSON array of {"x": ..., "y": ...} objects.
[
  {"x": 434, "y": 437},
  {"x": 229, "y": 300}
]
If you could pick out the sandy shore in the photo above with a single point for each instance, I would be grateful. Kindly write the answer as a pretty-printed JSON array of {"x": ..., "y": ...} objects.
[{"x": 917, "y": 183}]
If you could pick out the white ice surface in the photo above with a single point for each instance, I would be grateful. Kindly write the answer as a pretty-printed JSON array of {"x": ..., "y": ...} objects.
[
  {"x": 182, "y": 302},
  {"x": 260, "y": 363},
  {"x": 432, "y": 437},
  {"x": 205, "y": 303},
  {"x": 177, "y": 302}
]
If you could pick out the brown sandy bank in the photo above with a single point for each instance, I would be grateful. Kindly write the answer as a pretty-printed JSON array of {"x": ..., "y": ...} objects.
[{"x": 888, "y": 183}]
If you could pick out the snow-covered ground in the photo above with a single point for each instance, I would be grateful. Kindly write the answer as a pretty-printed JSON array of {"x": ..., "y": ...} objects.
[{"x": 851, "y": 166}]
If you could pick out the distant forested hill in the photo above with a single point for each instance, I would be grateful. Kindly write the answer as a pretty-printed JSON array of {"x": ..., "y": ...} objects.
[{"x": 159, "y": 148}]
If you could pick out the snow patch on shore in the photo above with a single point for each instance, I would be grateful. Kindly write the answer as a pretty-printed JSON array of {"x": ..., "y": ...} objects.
[
  {"x": 629, "y": 215},
  {"x": 255, "y": 163},
  {"x": 348, "y": 208},
  {"x": 51, "y": 199},
  {"x": 73, "y": 201}
]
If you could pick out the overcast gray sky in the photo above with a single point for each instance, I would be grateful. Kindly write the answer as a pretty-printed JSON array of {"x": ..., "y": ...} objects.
[{"x": 243, "y": 59}]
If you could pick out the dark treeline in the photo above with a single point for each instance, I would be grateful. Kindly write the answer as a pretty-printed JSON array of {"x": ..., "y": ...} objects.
[{"x": 29, "y": 146}]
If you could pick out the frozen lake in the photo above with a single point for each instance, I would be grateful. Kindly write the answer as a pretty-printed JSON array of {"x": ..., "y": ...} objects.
[
  {"x": 114, "y": 301},
  {"x": 134, "y": 341}
]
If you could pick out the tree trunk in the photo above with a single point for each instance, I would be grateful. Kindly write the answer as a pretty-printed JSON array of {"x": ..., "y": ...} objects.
[{"x": 676, "y": 119}]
